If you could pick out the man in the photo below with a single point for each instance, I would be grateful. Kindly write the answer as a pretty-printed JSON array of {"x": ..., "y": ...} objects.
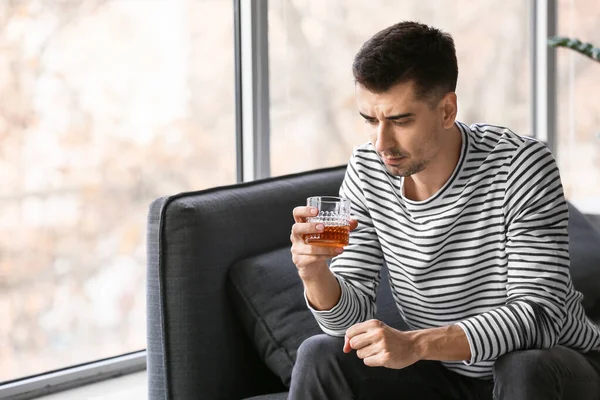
[{"x": 472, "y": 225}]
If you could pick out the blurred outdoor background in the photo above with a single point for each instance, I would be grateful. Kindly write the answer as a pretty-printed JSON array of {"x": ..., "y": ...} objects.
[{"x": 106, "y": 105}]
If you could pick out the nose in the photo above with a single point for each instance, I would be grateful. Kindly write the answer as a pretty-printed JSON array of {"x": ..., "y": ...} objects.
[{"x": 384, "y": 139}]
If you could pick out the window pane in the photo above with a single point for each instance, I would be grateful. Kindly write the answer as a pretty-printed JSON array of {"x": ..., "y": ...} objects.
[
  {"x": 312, "y": 44},
  {"x": 579, "y": 106},
  {"x": 105, "y": 106}
]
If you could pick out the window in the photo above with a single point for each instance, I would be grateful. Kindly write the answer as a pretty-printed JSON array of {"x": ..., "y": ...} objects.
[
  {"x": 578, "y": 119},
  {"x": 314, "y": 122},
  {"x": 104, "y": 106}
]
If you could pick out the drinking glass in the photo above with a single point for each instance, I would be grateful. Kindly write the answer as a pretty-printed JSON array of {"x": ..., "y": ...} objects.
[{"x": 334, "y": 214}]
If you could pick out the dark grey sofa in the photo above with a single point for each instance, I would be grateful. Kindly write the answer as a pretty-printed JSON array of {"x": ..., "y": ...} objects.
[{"x": 201, "y": 343}]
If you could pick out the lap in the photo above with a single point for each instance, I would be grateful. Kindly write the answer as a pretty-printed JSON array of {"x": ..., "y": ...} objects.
[
  {"x": 559, "y": 372},
  {"x": 559, "y": 360},
  {"x": 423, "y": 380}
]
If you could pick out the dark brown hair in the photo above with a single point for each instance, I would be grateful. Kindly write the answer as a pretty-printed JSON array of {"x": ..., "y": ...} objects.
[{"x": 408, "y": 51}]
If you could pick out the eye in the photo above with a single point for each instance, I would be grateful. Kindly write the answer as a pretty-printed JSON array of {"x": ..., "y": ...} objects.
[
  {"x": 371, "y": 121},
  {"x": 401, "y": 123}
]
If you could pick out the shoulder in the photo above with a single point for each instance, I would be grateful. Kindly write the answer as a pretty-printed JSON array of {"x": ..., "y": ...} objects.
[
  {"x": 496, "y": 137},
  {"x": 532, "y": 159},
  {"x": 497, "y": 140}
]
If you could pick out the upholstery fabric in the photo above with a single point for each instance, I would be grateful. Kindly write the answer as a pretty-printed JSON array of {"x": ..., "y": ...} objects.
[
  {"x": 196, "y": 345},
  {"x": 273, "y": 396},
  {"x": 268, "y": 297},
  {"x": 584, "y": 251}
]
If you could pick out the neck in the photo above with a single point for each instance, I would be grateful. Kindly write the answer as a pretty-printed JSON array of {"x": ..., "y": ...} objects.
[{"x": 424, "y": 184}]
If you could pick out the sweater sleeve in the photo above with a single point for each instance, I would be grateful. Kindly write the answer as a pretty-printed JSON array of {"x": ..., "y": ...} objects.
[
  {"x": 537, "y": 247},
  {"x": 358, "y": 268}
]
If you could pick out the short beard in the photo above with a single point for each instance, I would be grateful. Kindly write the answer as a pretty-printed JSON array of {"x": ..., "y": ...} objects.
[{"x": 408, "y": 171}]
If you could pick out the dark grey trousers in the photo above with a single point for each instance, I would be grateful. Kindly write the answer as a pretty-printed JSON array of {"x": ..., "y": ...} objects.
[{"x": 324, "y": 372}]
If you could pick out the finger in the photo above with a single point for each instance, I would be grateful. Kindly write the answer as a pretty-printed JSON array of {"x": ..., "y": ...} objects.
[
  {"x": 374, "y": 361},
  {"x": 362, "y": 340},
  {"x": 300, "y": 248},
  {"x": 302, "y": 212},
  {"x": 356, "y": 329},
  {"x": 363, "y": 327},
  {"x": 367, "y": 352},
  {"x": 353, "y": 224},
  {"x": 304, "y": 228},
  {"x": 347, "y": 347}
]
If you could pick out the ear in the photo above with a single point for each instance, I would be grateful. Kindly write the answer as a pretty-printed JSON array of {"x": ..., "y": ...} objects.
[{"x": 449, "y": 109}]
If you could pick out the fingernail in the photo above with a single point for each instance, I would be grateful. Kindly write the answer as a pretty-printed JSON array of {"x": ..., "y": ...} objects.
[
  {"x": 320, "y": 227},
  {"x": 314, "y": 211},
  {"x": 339, "y": 250}
]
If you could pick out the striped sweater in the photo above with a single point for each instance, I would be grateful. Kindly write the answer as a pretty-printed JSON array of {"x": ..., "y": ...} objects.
[{"x": 488, "y": 252}]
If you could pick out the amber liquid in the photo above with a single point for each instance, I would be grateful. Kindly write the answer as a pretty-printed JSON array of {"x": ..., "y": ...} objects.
[{"x": 332, "y": 236}]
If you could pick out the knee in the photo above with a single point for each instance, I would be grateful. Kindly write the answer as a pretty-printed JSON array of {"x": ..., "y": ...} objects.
[
  {"x": 319, "y": 349},
  {"x": 525, "y": 366}
]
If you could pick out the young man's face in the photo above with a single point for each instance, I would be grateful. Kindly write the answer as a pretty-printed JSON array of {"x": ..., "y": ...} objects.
[{"x": 406, "y": 132}]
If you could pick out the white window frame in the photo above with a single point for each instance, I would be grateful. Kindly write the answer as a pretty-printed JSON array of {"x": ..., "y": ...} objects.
[{"x": 543, "y": 72}]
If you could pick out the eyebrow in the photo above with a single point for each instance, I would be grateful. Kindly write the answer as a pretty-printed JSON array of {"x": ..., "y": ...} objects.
[{"x": 391, "y": 117}]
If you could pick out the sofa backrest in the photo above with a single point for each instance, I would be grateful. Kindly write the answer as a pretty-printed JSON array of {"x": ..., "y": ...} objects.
[{"x": 196, "y": 346}]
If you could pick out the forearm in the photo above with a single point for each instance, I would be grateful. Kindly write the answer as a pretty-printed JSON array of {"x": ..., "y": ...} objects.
[
  {"x": 447, "y": 343},
  {"x": 323, "y": 290},
  {"x": 336, "y": 304}
]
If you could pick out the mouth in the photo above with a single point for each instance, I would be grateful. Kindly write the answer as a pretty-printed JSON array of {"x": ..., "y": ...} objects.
[{"x": 393, "y": 160}]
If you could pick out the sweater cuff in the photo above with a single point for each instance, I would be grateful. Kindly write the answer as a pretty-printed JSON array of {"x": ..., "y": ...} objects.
[{"x": 475, "y": 344}]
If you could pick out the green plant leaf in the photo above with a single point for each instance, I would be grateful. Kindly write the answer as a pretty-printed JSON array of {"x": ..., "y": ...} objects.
[{"x": 587, "y": 49}]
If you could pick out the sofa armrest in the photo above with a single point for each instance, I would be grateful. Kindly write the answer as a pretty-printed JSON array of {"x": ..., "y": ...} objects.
[{"x": 196, "y": 347}]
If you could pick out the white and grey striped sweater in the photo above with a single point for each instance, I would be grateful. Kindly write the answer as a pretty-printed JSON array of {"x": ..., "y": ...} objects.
[{"x": 488, "y": 252}]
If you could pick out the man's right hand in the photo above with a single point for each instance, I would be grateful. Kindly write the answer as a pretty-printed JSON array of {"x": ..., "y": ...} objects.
[{"x": 311, "y": 260}]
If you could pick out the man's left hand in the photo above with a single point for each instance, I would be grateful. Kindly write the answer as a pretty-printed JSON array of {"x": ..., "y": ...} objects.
[{"x": 379, "y": 345}]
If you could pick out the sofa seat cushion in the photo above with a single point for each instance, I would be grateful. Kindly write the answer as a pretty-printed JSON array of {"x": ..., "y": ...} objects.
[{"x": 268, "y": 297}]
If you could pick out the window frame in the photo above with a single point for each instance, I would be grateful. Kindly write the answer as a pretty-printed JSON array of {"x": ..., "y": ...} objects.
[
  {"x": 73, "y": 376},
  {"x": 543, "y": 19}
]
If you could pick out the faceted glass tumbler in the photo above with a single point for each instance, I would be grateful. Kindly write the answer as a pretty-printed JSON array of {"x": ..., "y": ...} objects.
[{"x": 334, "y": 214}]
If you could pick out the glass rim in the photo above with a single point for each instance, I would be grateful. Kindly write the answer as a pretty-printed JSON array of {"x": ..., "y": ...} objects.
[{"x": 328, "y": 199}]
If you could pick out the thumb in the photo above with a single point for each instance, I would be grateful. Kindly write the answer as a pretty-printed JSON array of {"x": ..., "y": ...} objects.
[
  {"x": 347, "y": 348},
  {"x": 353, "y": 224}
]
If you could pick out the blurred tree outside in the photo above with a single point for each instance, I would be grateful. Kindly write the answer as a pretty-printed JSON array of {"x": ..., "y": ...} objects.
[{"x": 105, "y": 105}]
